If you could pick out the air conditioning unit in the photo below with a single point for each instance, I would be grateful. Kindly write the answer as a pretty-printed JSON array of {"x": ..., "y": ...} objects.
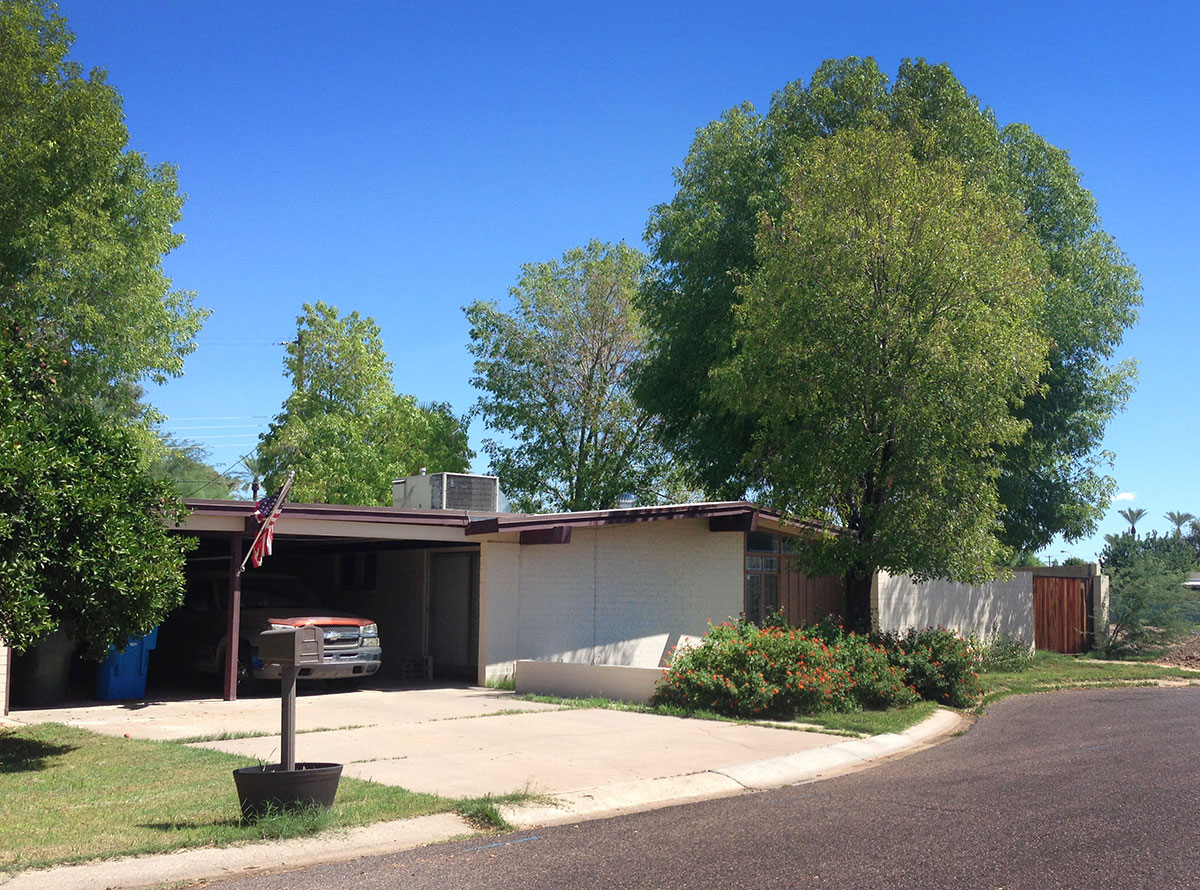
[{"x": 448, "y": 491}]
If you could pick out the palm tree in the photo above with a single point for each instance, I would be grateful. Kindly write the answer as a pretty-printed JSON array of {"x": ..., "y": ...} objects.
[
  {"x": 1179, "y": 520},
  {"x": 1132, "y": 515},
  {"x": 255, "y": 469}
]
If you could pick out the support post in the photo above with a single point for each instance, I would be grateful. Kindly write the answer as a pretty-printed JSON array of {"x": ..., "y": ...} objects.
[
  {"x": 233, "y": 627},
  {"x": 287, "y": 722}
]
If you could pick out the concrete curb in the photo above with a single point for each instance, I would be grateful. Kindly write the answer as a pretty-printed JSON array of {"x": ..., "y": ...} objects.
[{"x": 407, "y": 834}]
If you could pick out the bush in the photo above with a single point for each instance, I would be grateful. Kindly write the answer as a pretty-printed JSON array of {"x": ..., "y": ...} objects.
[
  {"x": 742, "y": 670},
  {"x": 1149, "y": 607},
  {"x": 875, "y": 683},
  {"x": 1004, "y": 653},
  {"x": 746, "y": 671},
  {"x": 940, "y": 665}
]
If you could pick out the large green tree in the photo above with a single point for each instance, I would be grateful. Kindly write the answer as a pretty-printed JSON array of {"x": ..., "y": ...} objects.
[
  {"x": 86, "y": 315},
  {"x": 84, "y": 541},
  {"x": 554, "y": 377},
  {"x": 704, "y": 240},
  {"x": 883, "y": 339},
  {"x": 344, "y": 429},
  {"x": 84, "y": 221}
]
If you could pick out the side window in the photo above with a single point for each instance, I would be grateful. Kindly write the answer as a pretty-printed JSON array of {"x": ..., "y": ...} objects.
[
  {"x": 357, "y": 571},
  {"x": 762, "y": 576}
]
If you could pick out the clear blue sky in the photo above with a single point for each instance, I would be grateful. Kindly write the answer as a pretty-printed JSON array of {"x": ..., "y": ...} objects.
[{"x": 404, "y": 159}]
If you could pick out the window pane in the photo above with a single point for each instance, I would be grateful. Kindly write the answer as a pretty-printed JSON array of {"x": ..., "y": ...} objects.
[
  {"x": 762, "y": 542},
  {"x": 754, "y": 597},
  {"x": 770, "y": 594},
  {"x": 754, "y": 563}
]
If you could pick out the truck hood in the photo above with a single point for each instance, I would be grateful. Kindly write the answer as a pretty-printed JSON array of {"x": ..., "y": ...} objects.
[{"x": 299, "y": 616}]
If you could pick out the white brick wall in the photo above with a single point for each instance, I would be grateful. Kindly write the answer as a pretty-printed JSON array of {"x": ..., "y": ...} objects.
[{"x": 618, "y": 594}]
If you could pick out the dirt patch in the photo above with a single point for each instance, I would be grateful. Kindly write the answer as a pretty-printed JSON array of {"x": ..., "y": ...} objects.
[{"x": 1185, "y": 655}]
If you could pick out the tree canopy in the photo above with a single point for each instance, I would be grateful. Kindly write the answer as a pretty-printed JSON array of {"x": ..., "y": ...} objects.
[
  {"x": 554, "y": 376},
  {"x": 87, "y": 314},
  {"x": 883, "y": 339},
  {"x": 344, "y": 429},
  {"x": 705, "y": 240}
]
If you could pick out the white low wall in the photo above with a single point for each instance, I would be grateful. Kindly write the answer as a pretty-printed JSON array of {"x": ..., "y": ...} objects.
[
  {"x": 572, "y": 680},
  {"x": 1000, "y": 606}
]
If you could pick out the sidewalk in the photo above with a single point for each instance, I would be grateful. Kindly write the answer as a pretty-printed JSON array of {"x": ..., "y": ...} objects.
[{"x": 469, "y": 742}]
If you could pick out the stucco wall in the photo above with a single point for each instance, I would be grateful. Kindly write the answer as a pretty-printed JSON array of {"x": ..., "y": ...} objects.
[
  {"x": 618, "y": 595},
  {"x": 1001, "y": 606}
]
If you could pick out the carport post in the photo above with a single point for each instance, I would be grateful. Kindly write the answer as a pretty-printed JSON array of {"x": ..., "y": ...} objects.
[{"x": 233, "y": 626}]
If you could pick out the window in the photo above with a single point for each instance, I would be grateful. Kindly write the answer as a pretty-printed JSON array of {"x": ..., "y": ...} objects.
[
  {"x": 762, "y": 576},
  {"x": 356, "y": 571}
]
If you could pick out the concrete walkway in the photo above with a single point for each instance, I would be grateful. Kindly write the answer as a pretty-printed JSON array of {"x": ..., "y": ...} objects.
[{"x": 467, "y": 742}]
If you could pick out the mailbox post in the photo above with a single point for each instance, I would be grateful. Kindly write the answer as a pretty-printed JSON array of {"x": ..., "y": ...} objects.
[{"x": 291, "y": 648}]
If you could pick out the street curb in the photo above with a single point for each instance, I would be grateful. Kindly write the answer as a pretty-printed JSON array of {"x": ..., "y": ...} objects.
[{"x": 406, "y": 834}]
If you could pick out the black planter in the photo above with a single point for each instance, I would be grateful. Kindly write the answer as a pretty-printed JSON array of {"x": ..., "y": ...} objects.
[{"x": 262, "y": 788}]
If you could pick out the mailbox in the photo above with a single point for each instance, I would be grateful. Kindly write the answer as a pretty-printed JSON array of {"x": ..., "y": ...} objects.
[{"x": 292, "y": 647}]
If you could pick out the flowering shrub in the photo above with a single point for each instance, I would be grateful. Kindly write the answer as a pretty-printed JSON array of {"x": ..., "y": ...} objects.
[
  {"x": 746, "y": 671},
  {"x": 940, "y": 665},
  {"x": 875, "y": 682}
]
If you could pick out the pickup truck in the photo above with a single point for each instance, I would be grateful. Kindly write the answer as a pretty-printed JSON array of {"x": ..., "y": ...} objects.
[{"x": 193, "y": 636}]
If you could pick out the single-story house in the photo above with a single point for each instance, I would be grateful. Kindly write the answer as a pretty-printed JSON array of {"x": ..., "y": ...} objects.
[{"x": 463, "y": 591}]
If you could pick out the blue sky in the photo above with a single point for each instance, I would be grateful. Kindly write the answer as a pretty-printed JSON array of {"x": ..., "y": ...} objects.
[{"x": 405, "y": 159}]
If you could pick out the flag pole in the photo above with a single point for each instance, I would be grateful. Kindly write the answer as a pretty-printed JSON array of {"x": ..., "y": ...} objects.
[{"x": 269, "y": 522}]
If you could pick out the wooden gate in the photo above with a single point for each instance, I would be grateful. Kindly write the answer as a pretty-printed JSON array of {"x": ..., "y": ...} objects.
[
  {"x": 806, "y": 600},
  {"x": 1062, "y": 614}
]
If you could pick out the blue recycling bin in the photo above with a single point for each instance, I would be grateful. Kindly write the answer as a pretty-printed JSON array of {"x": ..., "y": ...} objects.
[{"x": 122, "y": 674}]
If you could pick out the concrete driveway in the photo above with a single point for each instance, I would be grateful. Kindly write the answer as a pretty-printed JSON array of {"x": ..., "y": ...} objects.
[{"x": 459, "y": 742}]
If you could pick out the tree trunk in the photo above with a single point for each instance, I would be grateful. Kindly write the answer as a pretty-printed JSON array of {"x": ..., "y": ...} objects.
[{"x": 858, "y": 600}]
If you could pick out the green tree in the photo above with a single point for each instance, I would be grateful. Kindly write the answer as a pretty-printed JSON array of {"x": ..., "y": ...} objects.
[
  {"x": 1132, "y": 515},
  {"x": 84, "y": 222},
  {"x": 185, "y": 465},
  {"x": 1150, "y": 607},
  {"x": 704, "y": 240},
  {"x": 882, "y": 341},
  {"x": 555, "y": 377},
  {"x": 87, "y": 315},
  {"x": 84, "y": 539},
  {"x": 344, "y": 429}
]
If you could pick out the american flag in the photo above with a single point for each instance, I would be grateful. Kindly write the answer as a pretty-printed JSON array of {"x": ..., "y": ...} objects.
[{"x": 266, "y": 512}]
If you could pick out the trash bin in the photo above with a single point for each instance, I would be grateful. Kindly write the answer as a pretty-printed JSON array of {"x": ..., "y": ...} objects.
[{"x": 123, "y": 674}]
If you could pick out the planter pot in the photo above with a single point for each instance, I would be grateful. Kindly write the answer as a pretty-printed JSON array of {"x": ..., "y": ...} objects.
[{"x": 262, "y": 788}]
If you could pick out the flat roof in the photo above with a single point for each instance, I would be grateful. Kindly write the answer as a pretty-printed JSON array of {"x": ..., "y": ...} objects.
[{"x": 741, "y": 514}]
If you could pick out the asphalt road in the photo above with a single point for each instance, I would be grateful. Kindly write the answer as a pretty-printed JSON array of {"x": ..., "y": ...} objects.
[{"x": 1086, "y": 789}]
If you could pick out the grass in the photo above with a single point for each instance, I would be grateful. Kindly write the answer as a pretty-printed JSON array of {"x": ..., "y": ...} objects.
[
  {"x": 855, "y": 723},
  {"x": 1049, "y": 672},
  {"x": 71, "y": 795}
]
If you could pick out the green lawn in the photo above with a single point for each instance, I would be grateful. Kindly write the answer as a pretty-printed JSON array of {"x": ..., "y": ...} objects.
[
  {"x": 71, "y": 795},
  {"x": 1049, "y": 671}
]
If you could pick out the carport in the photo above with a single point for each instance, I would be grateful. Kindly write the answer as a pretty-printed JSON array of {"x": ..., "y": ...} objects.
[{"x": 415, "y": 572}]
